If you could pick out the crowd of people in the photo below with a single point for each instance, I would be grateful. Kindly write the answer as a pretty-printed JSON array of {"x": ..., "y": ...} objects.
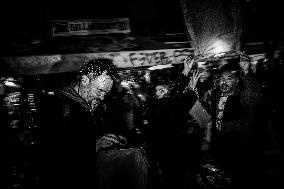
[
  {"x": 209, "y": 121},
  {"x": 203, "y": 130}
]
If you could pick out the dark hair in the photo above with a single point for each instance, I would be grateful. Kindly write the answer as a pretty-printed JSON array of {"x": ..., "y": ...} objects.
[
  {"x": 245, "y": 57},
  {"x": 98, "y": 66}
]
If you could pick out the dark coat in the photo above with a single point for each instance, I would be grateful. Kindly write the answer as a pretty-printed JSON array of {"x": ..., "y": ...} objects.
[
  {"x": 169, "y": 116},
  {"x": 239, "y": 112},
  {"x": 232, "y": 145},
  {"x": 173, "y": 141},
  {"x": 233, "y": 111},
  {"x": 68, "y": 137}
]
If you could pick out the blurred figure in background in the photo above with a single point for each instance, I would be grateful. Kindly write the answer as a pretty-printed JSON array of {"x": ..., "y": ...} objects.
[
  {"x": 251, "y": 99},
  {"x": 175, "y": 137},
  {"x": 4, "y": 137},
  {"x": 276, "y": 84},
  {"x": 135, "y": 99}
]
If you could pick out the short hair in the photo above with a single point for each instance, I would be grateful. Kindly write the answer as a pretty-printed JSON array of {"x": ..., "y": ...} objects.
[{"x": 99, "y": 65}]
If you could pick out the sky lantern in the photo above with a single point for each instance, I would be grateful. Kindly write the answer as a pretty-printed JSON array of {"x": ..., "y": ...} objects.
[{"x": 213, "y": 26}]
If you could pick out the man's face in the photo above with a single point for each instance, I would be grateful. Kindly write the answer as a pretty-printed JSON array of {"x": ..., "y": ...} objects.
[
  {"x": 97, "y": 88},
  {"x": 227, "y": 82}
]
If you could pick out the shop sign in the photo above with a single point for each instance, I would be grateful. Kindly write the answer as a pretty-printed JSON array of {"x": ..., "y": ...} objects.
[{"x": 90, "y": 26}]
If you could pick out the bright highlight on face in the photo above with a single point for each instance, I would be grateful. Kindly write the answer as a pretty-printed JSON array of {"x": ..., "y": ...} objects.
[
  {"x": 101, "y": 86},
  {"x": 97, "y": 87},
  {"x": 227, "y": 82},
  {"x": 161, "y": 91}
]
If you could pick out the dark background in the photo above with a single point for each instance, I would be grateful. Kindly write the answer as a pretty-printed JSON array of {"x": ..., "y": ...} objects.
[{"x": 23, "y": 21}]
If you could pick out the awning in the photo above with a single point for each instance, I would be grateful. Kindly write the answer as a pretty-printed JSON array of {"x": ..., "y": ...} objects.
[{"x": 67, "y": 54}]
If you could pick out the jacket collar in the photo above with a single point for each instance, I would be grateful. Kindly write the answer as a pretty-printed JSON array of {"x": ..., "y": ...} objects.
[{"x": 69, "y": 91}]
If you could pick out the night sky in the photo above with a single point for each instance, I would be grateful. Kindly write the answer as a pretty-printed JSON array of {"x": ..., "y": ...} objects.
[{"x": 31, "y": 20}]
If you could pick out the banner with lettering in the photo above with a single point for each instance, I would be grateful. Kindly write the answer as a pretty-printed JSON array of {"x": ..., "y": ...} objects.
[
  {"x": 90, "y": 26},
  {"x": 47, "y": 64}
]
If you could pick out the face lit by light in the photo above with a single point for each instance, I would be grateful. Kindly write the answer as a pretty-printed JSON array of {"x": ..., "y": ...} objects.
[
  {"x": 161, "y": 91},
  {"x": 227, "y": 82},
  {"x": 97, "y": 88}
]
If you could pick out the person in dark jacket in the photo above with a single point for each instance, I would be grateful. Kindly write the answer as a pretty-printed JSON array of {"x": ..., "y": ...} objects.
[
  {"x": 84, "y": 133},
  {"x": 174, "y": 136},
  {"x": 232, "y": 107}
]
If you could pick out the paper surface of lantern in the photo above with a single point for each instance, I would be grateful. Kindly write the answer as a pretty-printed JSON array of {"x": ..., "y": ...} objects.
[{"x": 214, "y": 26}]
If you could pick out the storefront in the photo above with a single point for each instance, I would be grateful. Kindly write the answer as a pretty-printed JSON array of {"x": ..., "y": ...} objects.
[{"x": 32, "y": 71}]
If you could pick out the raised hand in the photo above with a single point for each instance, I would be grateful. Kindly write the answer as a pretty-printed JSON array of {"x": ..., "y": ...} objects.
[
  {"x": 187, "y": 63},
  {"x": 194, "y": 79}
]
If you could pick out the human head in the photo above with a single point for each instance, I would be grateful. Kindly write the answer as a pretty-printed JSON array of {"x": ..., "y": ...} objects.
[
  {"x": 228, "y": 78},
  {"x": 96, "y": 79},
  {"x": 278, "y": 57},
  {"x": 162, "y": 91},
  {"x": 204, "y": 73},
  {"x": 245, "y": 63}
]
